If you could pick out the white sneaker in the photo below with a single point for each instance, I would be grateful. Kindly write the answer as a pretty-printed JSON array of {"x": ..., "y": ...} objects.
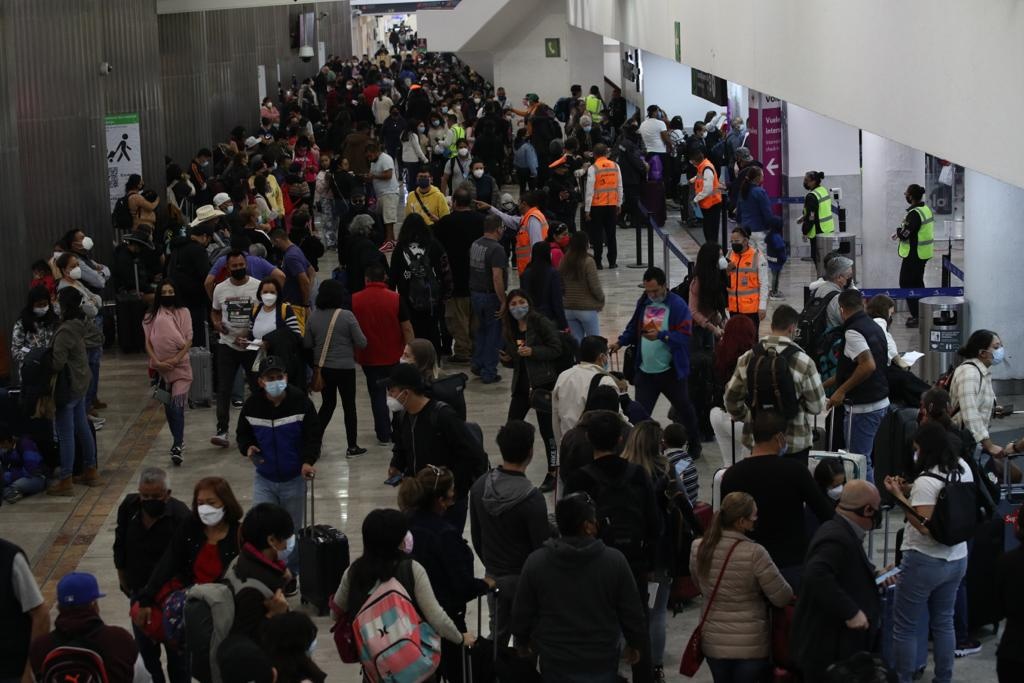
[{"x": 221, "y": 439}]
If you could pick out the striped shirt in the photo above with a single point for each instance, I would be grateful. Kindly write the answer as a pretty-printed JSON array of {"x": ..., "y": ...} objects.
[
  {"x": 973, "y": 398},
  {"x": 806, "y": 381}
]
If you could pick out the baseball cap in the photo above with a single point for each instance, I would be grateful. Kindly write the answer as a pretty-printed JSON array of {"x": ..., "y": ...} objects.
[
  {"x": 405, "y": 376},
  {"x": 78, "y": 588},
  {"x": 272, "y": 363}
]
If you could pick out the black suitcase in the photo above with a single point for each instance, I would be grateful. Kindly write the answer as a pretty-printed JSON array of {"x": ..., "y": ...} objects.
[
  {"x": 130, "y": 309},
  {"x": 323, "y": 558}
]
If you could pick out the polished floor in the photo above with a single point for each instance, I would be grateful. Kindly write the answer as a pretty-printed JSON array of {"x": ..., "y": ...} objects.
[{"x": 63, "y": 534}]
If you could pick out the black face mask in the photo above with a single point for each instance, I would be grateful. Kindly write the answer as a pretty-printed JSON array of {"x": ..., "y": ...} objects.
[
  {"x": 875, "y": 517},
  {"x": 738, "y": 248},
  {"x": 154, "y": 508},
  {"x": 167, "y": 301},
  {"x": 238, "y": 274}
]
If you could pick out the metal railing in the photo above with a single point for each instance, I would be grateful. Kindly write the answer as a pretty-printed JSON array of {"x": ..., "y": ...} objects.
[{"x": 668, "y": 248}]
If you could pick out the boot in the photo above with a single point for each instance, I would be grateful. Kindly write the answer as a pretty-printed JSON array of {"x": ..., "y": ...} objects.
[
  {"x": 63, "y": 487},
  {"x": 89, "y": 477}
]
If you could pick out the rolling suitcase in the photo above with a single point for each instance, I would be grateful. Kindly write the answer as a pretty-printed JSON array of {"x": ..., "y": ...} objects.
[
  {"x": 130, "y": 308},
  {"x": 201, "y": 358},
  {"x": 323, "y": 558}
]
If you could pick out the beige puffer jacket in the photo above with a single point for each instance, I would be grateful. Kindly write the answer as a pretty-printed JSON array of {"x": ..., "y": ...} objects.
[{"x": 737, "y": 625}]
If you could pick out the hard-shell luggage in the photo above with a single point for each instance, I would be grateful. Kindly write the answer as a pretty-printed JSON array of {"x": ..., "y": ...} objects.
[
  {"x": 323, "y": 558},
  {"x": 856, "y": 465},
  {"x": 130, "y": 308},
  {"x": 201, "y": 358},
  {"x": 716, "y": 488}
]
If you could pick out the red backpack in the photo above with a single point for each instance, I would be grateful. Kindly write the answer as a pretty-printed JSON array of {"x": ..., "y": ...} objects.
[{"x": 73, "y": 660}]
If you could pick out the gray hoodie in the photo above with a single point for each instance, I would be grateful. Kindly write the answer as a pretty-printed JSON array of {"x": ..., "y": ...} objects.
[
  {"x": 820, "y": 289},
  {"x": 508, "y": 520}
]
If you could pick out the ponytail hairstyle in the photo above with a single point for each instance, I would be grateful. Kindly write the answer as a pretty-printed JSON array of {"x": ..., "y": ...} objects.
[
  {"x": 935, "y": 405},
  {"x": 976, "y": 343},
  {"x": 746, "y": 183},
  {"x": 815, "y": 177},
  {"x": 643, "y": 448},
  {"x": 422, "y": 492},
  {"x": 916, "y": 192},
  {"x": 735, "y": 507}
]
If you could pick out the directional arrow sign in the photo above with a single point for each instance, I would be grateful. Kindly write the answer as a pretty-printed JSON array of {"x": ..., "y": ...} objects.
[{"x": 772, "y": 166}]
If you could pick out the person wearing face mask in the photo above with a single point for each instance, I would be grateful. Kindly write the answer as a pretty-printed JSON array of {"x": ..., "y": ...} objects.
[
  {"x": 168, "y": 330},
  {"x": 574, "y": 386},
  {"x": 736, "y": 575},
  {"x": 146, "y": 525},
  {"x": 931, "y": 571},
  {"x": 973, "y": 398},
  {"x": 781, "y": 487},
  {"x": 267, "y": 537},
  {"x": 291, "y": 640},
  {"x": 809, "y": 393},
  {"x": 427, "y": 201},
  {"x": 34, "y": 329},
  {"x": 485, "y": 187},
  {"x": 456, "y": 169},
  {"x": 748, "y": 278},
  {"x": 413, "y": 156},
  {"x": 830, "y": 476},
  {"x": 280, "y": 433},
  {"x": 708, "y": 302},
  {"x": 200, "y": 171},
  {"x": 278, "y": 329},
  {"x": 916, "y": 236},
  {"x": 387, "y": 548},
  {"x": 838, "y": 278},
  {"x": 202, "y": 548},
  {"x": 706, "y": 188},
  {"x": 838, "y": 608},
  {"x": 817, "y": 216}
]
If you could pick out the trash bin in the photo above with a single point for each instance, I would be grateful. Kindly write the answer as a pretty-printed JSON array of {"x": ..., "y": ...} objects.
[
  {"x": 943, "y": 320},
  {"x": 841, "y": 243}
]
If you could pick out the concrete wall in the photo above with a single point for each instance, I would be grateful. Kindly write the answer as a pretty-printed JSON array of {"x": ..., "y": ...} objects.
[
  {"x": 666, "y": 83},
  {"x": 921, "y": 72}
]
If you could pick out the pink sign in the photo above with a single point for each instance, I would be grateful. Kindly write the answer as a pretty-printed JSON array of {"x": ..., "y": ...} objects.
[{"x": 766, "y": 120}]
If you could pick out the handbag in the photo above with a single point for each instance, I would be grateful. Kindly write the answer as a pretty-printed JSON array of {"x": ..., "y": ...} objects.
[
  {"x": 344, "y": 634},
  {"x": 317, "y": 383},
  {"x": 161, "y": 392},
  {"x": 782, "y": 626},
  {"x": 629, "y": 363},
  {"x": 540, "y": 400},
  {"x": 693, "y": 655}
]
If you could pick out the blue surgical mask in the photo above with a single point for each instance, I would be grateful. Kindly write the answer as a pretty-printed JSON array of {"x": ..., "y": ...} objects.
[
  {"x": 276, "y": 388},
  {"x": 784, "y": 448},
  {"x": 586, "y": 129},
  {"x": 230, "y": 210},
  {"x": 519, "y": 312},
  {"x": 999, "y": 355},
  {"x": 289, "y": 548}
]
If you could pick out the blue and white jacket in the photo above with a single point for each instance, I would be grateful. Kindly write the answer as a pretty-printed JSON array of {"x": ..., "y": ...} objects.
[{"x": 288, "y": 435}]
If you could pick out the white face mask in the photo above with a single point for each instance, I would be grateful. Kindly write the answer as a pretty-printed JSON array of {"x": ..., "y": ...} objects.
[
  {"x": 407, "y": 543},
  {"x": 268, "y": 299},
  {"x": 478, "y": 173},
  {"x": 835, "y": 492},
  {"x": 87, "y": 243},
  {"x": 723, "y": 263},
  {"x": 210, "y": 515},
  {"x": 76, "y": 273},
  {"x": 40, "y": 312},
  {"x": 394, "y": 405},
  {"x": 56, "y": 255},
  {"x": 463, "y": 151}
]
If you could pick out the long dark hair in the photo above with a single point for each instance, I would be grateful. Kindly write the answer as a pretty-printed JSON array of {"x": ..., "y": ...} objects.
[
  {"x": 934, "y": 449},
  {"x": 979, "y": 341},
  {"x": 154, "y": 307},
  {"x": 574, "y": 261},
  {"x": 415, "y": 230},
  {"x": 411, "y": 126},
  {"x": 28, "y": 316},
  {"x": 70, "y": 300},
  {"x": 508, "y": 323},
  {"x": 383, "y": 531},
  {"x": 539, "y": 269},
  {"x": 712, "y": 294},
  {"x": 747, "y": 182}
]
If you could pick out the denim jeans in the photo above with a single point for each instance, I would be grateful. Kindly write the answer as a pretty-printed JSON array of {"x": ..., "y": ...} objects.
[
  {"x": 94, "y": 355},
  {"x": 175, "y": 413},
  {"x": 649, "y": 387},
  {"x": 582, "y": 323},
  {"x": 739, "y": 670},
  {"x": 71, "y": 421},
  {"x": 178, "y": 667},
  {"x": 656, "y": 624},
  {"x": 291, "y": 495},
  {"x": 925, "y": 592},
  {"x": 379, "y": 399},
  {"x": 862, "y": 428},
  {"x": 26, "y": 486},
  {"x": 488, "y": 334},
  {"x": 229, "y": 361}
]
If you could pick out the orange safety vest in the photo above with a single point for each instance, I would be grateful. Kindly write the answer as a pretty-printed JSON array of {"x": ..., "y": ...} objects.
[
  {"x": 524, "y": 248},
  {"x": 606, "y": 183},
  {"x": 698, "y": 186},
  {"x": 744, "y": 282}
]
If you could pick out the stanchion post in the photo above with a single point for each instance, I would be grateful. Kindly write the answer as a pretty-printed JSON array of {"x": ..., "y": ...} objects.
[
  {"x": 666, "y": 255},
  {"x": 638, "y": 212},
  {"x": 650, "y": 240}
]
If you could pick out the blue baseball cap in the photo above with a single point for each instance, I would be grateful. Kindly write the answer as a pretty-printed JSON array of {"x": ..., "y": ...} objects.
[{"x": 78, "y": 588}]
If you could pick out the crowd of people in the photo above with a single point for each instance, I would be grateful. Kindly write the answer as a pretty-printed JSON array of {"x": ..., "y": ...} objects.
[{"x": 230, "y": 263}]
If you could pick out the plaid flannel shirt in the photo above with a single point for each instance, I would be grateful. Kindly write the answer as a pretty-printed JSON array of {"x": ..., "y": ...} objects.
[
  {"x": 811, "y": 395},
  {"x": 973, "y": 398}
]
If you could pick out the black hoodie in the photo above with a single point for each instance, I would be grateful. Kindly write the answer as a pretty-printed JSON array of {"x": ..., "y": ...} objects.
[
  {"x": 508, "y": 520},
  {"x": 575, "y": 597}
]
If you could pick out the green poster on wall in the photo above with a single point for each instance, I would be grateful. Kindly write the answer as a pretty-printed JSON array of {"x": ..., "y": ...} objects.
[{"x": 552, "y": 47}]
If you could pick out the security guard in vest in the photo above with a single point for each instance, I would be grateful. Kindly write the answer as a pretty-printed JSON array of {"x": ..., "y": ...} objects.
[
  {"x": 748, "y": 278},
  {"x": 916, "y": 236},
  {"x": 817, "y": 218},
  {"x": 602, "y": 204},
  {"x": 456, "y": 133},
  {"x": 707, "y": 192},
  {"x": 531, "y": 226}
]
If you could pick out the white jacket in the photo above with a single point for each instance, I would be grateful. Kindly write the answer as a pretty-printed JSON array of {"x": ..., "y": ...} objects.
[{"x": 569, "y": 396}]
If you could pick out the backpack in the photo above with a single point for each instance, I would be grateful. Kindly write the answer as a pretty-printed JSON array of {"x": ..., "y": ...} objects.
[
  {"x": 620, "y": 513},
  {"x": 955, "y": 517},
  {"x": 396, "y": 645},
  {"x": 595, "y": 382},
  {"x": 945, "y": 380},
  {"x": 770, "y": 381},
  {"x": 209, "y": 615},
  {"x": 424, "y": 289},
  {"x": 812, "y": 325},
  {"x": 74, "y": 659},
  {"x": 570, "y": 352},
  {"x": 121, "y": 216},
  {"x": 37, "y": 380}
]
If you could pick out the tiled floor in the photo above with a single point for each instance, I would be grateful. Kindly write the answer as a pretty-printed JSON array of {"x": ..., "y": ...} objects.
[{"x": 62, "y": 534}]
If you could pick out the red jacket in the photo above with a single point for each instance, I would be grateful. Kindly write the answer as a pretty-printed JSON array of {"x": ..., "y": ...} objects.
[{"x": 380, "y": 314}]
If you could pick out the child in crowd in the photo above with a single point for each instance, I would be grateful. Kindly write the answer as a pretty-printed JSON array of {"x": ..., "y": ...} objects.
[
  {"x": 778, "y": 252},
  {"x": 42, "y": 276},
  {"x": 22, "y": 466},
  {"x": 673, "y": 441}
]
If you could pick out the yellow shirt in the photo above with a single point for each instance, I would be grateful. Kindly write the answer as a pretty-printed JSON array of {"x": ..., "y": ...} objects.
[
  {"x": 433, "y": 202},
  {"x": 273, "y": 193}
]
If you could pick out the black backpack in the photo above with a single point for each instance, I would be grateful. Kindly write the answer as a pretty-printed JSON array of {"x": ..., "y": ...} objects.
[
  {"x": 121, "y": 216},
  {"x": 770, "y": 381},
  {"x": 424, "y": 289},
  {"x": 811, "y": 327},
  {"x": 955, "y": 516},
  {"x": 570, "y": 352},
  {"x": 620, "y": 513},
  {"x": 36, "y": 376}
]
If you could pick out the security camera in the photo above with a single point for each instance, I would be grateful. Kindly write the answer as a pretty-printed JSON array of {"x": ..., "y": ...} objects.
[
  {"x": 105, "y": 68},
  {"x": 306, "y": 53}
]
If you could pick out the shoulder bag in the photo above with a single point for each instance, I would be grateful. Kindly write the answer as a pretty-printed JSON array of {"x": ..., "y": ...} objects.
[
  {"x": 317, "y": 383},
  {"x": 693, "y": 655}
]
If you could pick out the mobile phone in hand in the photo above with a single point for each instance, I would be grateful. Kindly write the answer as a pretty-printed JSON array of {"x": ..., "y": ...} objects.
[
  {"x": 882, "y": 578},
  {"x": 394, "y": 480}
]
